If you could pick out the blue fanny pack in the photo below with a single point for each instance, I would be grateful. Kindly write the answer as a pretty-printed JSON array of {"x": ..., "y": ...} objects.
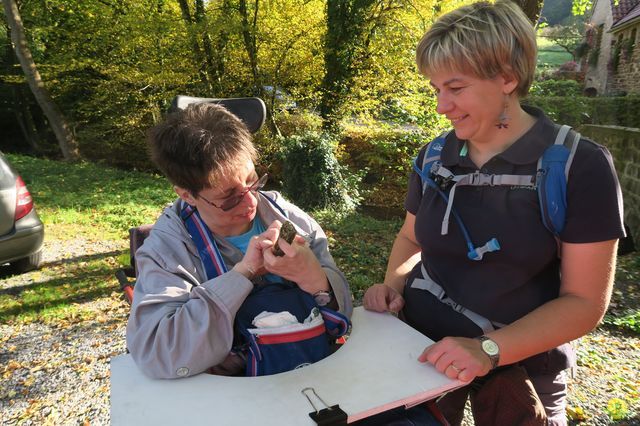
[{"x": 271, "y": 350}]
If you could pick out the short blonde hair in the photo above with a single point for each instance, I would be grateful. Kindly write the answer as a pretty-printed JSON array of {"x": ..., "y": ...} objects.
[{"x": 484, "y": 40}]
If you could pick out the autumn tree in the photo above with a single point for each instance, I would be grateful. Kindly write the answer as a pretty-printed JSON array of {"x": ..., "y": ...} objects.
[{"x": 56, "y": 118}]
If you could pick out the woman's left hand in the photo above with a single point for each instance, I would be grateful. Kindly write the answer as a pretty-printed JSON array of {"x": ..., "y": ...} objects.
[
  {"x": 459, "y": 358},
  {"x": 299, "y": 264}
]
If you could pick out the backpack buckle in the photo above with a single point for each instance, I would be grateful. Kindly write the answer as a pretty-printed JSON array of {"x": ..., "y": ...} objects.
[
  {"x": 441, "y": 175},
  {"x": 482, "y": 179}
]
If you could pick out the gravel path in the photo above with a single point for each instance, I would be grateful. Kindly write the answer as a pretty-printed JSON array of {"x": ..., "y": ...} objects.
[{"x": 58, "y": 373}]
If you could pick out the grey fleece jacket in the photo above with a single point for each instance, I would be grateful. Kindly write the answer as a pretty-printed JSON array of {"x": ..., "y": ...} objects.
[{"x": 180, "y": 323}]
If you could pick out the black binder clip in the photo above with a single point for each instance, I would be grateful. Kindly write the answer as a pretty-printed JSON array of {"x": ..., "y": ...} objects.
[{"x": 328, "y": 416}]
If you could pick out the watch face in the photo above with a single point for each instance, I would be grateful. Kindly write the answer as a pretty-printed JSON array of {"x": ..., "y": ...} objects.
[
  {"x": 322, "y": 298},
  {"x": 490, "y": 347}
]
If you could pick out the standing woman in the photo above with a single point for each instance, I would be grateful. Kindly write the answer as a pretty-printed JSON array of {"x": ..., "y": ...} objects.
[{"x": 538, "y": 292}]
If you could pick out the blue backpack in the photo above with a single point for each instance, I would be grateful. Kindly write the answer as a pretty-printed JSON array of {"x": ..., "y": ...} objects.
[
  {"x": 550, "y": 182},
  {"x": 274, "y": 350}
]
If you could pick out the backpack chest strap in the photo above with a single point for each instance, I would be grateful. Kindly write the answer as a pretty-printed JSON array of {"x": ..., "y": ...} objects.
[
  {"x": 475, "y": 179},
  {"x": 428, "y": 284}
]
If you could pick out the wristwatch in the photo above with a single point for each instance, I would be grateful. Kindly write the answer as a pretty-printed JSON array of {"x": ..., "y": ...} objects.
[
  {"x": 323, "y": 298},
  {"x": 490, "y": 348}
]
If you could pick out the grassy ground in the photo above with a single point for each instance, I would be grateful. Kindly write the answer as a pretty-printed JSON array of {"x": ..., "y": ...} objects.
[
  {"x": 550, "y": 55},
  {"x": 88, "y": 205}
]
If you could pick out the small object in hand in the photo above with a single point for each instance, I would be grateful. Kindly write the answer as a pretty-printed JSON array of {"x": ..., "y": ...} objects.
[{"x": 287, "y": 233}]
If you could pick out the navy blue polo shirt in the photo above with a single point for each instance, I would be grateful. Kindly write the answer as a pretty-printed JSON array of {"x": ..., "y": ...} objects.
[{"x": 525, "y": 273}]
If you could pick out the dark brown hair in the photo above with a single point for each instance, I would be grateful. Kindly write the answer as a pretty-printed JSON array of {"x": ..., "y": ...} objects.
[{"x": 196, "y": 146}]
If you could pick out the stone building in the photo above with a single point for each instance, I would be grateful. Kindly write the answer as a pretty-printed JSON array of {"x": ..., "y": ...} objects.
[{"x": 612, "y": 59}]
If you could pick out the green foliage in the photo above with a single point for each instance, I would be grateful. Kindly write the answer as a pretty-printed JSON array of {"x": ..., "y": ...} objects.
[
  {"x": 627, "y": 48},
  {"x": 59, "y": 294},
  {"x": 313, "y": 177},
  {"x": 623, "y": 314},
  {"x": 617, "y": 409},
  {"x": 298, "y": 122},
  {"x": 113, "y": 67},
  {"x": 580, "y": 7},
  {"x": 629, "y": 322},
  {"x": 565, "y": 37},
  {"x": 614, "y": 110},
  {"x": 572, "y": 111},
  {"x": 577, "y": 110},
  {"x": 360, "y": 245},
  {"x": 567, "y": 88},
  {"x": 615, "y": 56},
  {"x": 554, "y": 12},
  {"x": 386, "y": 153}
]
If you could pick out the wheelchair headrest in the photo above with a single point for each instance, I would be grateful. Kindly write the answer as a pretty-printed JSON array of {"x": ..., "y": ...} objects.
[{"x": 252, "y": 111}]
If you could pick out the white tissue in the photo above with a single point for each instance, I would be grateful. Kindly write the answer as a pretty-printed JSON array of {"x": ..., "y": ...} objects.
[
  {"x": 274, "y": 319},
  {"x": 270, "y": 323}
]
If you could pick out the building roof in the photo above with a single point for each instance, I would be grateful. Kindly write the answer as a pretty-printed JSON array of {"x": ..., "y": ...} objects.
[
  {"x": 632, "y": 15},
  {"x": 622, "y": 8}
]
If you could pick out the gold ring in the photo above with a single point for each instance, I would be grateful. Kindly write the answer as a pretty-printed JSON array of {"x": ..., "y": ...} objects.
[{"x": 458, "y": 370}]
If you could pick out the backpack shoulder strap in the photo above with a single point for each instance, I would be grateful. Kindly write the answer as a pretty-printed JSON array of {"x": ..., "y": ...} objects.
[
  {"x": 431, "y": 155},
  {"x": 553, "y": 174}
]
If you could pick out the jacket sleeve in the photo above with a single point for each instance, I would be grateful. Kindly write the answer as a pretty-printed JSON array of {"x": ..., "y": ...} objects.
[
  {"x": 178, "y": 326},
  {"x": 320, "y": 247}
]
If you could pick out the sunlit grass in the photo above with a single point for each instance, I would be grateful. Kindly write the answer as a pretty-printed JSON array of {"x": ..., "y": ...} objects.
[
  {"x": 550, "y": 55},
  {"x": 59, "y": 291},
  {"x": 105, "y": 200},
  {"x": 360, "y": 246}
]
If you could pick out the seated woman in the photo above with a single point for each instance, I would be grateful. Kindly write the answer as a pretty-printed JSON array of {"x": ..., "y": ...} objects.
[{"x": 215, "y": 243}]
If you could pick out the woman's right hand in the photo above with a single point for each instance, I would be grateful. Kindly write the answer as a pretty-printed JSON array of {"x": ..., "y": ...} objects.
[
  {"x": 382, "y": 298},
  {"x": 252, "y": 264}
]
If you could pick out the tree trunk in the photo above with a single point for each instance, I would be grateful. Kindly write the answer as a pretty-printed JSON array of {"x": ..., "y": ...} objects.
[
  {"x": 54, "y": 115},
  {"x": 197, "y": 51},
  {"x": 19, "y": 99},
  {"x": 212, "y": 64},
  {"x": 249, "y": 34},
  {"x": 25, "y": 119}
]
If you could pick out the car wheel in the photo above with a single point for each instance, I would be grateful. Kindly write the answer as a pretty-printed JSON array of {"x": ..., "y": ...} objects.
[{"x": 28, "y": 263}]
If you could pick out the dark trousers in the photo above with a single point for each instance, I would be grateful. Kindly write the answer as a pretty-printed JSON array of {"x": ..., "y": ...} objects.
[{"x": 550, "y": 389}]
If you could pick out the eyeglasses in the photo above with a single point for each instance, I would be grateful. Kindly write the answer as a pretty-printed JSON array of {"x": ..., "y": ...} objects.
[{"x": 233, "y": 201}]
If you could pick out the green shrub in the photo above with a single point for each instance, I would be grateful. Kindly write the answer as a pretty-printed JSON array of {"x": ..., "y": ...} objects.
[
  {"x": 312, "y": 176},
  {"x": 574, "y": 110},
  {"x": 577, "y": 110},
  {"x": 615, "y": 110},
  {"x": 385, "y": 153},
  {"x": 298, "y": 122},
  {"x": 615, "y": 57},
  {"x": 556, "y": 88}
]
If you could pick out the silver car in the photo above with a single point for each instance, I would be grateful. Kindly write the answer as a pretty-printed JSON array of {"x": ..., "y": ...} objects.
[{"x": 21, "y": 231}]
